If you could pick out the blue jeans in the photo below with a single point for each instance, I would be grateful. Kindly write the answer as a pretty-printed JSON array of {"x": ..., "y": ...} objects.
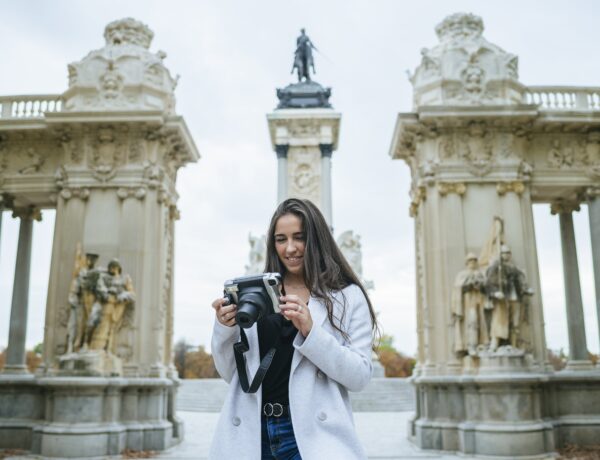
[{"x": 278, "y": 440}]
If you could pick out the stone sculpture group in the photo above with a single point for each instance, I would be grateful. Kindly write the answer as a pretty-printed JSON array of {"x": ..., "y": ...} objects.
[
  {"x": 490, "y": 309},
  {"x": 100, "y": 301}
]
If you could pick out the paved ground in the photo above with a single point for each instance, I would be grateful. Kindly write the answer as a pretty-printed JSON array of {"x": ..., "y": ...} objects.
[{"x": 383, "y": 434}]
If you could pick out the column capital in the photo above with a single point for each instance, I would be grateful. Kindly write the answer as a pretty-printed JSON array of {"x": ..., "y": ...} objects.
[
  {"x": 28, "y": 212},
  {"x": 502, "y": 188},
  {"x": 564, "y": 207},
  {"x": 445, "y": 188},
  {"x": 6, "y": 201},
  {"x": 282, "y": 150},
  {"x": 326, "y": 150},
  {"x": 591, "y": 193}
]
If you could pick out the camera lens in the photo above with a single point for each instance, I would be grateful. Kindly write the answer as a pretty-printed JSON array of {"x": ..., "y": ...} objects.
[{"x": 251, "y": 307}]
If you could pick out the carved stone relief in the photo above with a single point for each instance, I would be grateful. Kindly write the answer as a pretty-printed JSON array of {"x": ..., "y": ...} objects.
[
  {"x": 107, "y": 153},
  {"x": 305, "y": 176},
  {"x": 34, "y": 161}
]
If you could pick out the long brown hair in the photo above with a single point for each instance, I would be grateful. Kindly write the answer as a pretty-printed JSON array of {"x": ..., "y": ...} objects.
[{"x": 325, "y": 268}]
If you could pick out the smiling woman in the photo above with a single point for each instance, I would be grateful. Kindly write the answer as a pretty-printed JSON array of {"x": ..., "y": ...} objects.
[{"x": 324, "y": 307}]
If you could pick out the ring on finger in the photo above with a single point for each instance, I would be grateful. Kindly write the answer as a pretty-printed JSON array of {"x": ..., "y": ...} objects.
[{"x": 299, "y": 308}]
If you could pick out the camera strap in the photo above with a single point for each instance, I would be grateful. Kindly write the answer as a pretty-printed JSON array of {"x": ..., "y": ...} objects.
[{"x": 239, "y": 349}]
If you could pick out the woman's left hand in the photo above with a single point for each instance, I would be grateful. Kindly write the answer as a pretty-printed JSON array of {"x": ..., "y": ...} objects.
[{"x": 297, "y": 311}]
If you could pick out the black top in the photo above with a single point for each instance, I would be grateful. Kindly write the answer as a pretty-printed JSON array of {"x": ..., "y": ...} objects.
[{"x": 276, "y": 331}]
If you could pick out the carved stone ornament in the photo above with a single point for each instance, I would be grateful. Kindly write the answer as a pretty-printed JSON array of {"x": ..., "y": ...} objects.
[
  {"x": 503, "y": 188},
  {"x": 27, "y": 212},
  {"x": 82, "y": 193},
  {"x": 571, "y": 153},
  {"x": 445, "y": 188},
  {"x": 35, "y": 162},
  {"x": 304, "y": 175},
  {"x": 417, "y": 196},
  {"x": 123, "y": 75},
  {"x": 473, "y": 146},
  {"x": 464, "y": 68},
  {"x": 133, "y": 192},
  {"x": 107, "y": 153},
  {"x": 592, "y": 193}
]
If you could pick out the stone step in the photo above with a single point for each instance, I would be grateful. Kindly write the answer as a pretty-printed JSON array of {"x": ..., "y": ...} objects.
[{"x": 381, "y": 395}]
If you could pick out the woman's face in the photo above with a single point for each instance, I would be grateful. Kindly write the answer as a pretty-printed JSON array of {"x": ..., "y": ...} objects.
[{"x": 290, "y": 242}]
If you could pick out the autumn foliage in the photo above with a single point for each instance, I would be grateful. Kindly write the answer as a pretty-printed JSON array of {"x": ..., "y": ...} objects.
[
  {"x": 394, "y": 363},
  {"x": 33, "y": 359}
]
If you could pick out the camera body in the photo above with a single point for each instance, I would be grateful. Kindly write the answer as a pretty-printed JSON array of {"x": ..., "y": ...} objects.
[{"x": 254, "y": 295}]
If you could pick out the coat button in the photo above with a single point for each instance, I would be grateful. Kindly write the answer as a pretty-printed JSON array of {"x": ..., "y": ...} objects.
[
  {"x": 320, "y": 374},
  {"x": 322, "y": 416},
  {"x": 236, "y": 421}
]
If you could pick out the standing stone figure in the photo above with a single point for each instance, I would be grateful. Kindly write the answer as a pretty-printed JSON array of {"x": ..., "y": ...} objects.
[
  {"x": 82, "y": 298},
  {"x": 117, "y": 295},
  {"x": 507, "y": 290},
  {"x": 303, "y": 58},
  {"x": 258, "y": 251},
  {"x": 469, "y": 308}
]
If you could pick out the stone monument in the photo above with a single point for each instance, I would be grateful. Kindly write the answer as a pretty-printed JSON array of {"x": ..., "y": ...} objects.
[
  {"x": 105, "y": 155},
  {"x": 482, "y": 147}
]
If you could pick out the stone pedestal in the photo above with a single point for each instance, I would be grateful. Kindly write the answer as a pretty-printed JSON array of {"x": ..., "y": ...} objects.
[
  {"x": 93, "y": 363},
  {"x": 81, "y": 417}
]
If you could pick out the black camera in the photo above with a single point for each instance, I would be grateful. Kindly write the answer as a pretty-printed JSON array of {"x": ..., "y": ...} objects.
[{"x": 255, "y": 296}]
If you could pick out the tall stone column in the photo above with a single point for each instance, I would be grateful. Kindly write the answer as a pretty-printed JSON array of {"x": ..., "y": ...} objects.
[
  {"x": 593, "y": 195},
  {"x": 326, "y": 205},
  {"x": 1, "y": 212},
  {"x": 304, "y": 140},
  {"x": 282, "y": 165},
  {"x": 578, "y": 353},
  {"x": 15, "y": 353}
]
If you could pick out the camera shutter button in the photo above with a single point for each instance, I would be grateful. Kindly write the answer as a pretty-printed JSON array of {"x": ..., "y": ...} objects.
[{"x": 236, "y": 421}]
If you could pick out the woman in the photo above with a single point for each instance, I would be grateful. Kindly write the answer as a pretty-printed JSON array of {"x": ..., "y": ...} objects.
[{"x": 323, "y": 339}]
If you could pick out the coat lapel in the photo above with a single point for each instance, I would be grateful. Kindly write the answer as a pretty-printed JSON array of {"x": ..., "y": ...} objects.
[{"x": 318, "y": 312}]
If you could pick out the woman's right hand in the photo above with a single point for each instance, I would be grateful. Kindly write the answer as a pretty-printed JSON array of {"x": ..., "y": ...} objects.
[{"x": 225, "y": 313}]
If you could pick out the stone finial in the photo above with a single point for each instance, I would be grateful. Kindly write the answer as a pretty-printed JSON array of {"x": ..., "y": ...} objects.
[
  {"x": 459, "y": 26},
  {"x": 123, "y": 75},
  {"x": 465, "y": 69},
  {"x": 128, "y": 31}
]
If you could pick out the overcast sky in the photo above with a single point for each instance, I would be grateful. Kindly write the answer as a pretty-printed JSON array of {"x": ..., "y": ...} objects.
[{"x": 231, "y": 55}]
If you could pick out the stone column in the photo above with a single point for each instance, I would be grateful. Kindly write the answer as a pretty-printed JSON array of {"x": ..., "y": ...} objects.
[
  {"x": 593, "y": 195},
  {"x": 326, "y": 205},
  {"x": 15, "y": 353},
  {"x": 1, "y": 212},
  {"x": 282, "y": 183},
  {"x": 578, "y": 353}
]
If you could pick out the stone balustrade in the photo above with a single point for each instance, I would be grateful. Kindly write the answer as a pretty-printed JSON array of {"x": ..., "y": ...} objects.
[
  {"x": 30, "y": 106},
  {"x": 563, "y": 97}
]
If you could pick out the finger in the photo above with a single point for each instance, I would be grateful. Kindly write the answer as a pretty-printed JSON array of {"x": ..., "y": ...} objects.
[{"x": 227, "y": 309}]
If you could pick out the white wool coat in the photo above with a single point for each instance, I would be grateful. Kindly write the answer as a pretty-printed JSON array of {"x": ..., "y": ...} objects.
[{"x": 325, "y": 366}]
